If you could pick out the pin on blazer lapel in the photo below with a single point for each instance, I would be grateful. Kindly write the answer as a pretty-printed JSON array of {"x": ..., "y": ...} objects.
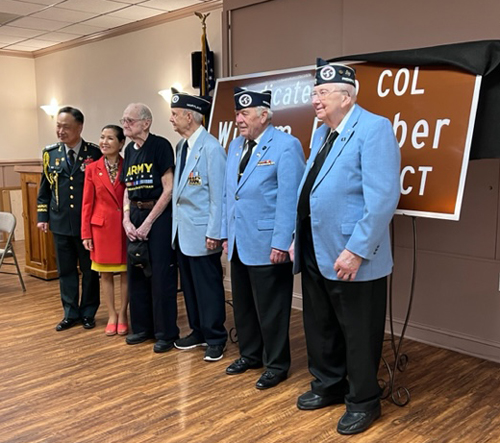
[
  {"x": 191, "y": 161},
  {"x": 103, "y": 176},
  {"x": 260, "y": 150}
]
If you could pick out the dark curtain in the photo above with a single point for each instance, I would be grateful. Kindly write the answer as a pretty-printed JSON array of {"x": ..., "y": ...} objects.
[{"x": 480, "y": 58}]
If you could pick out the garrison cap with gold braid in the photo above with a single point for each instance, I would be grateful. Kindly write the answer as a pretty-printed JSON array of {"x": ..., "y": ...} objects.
[
  {"x": 334, "y": 73},
  {"x": 190, "y": 102},
  {"x": 244, "y": 98}
]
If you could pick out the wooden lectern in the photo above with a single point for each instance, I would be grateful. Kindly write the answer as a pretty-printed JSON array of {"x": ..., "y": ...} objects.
[{"x": 40, "y": 251}]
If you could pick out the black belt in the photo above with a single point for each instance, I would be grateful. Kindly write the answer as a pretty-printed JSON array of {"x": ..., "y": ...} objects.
[{"x": 148, "y": 204}]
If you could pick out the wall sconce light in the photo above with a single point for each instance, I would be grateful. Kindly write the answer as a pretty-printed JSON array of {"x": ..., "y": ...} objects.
[
  {"x": 167, "y": 93},
  {"x": 51, "y": 109}
]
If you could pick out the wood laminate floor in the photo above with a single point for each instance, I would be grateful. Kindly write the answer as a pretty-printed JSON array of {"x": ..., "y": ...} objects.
[{"x": 79, "y": 386}]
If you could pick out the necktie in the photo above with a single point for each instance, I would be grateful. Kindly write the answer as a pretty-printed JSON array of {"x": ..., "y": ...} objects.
[
  {"x": 184, "y": 151},
  {"x": 71, "y": 158},
  {"x": 246, "y": 157},
  {"x": 303, "y": 207}
]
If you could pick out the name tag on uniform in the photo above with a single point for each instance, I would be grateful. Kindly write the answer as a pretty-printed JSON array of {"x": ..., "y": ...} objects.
[
  {"x": 194, "y": 179},
  {"x": 265, "y": 163}
]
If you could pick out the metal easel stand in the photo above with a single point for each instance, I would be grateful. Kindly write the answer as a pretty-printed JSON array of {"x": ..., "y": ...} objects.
[
  {"x": 400, "y": 395},
  {"x": 233, "y": 334}
]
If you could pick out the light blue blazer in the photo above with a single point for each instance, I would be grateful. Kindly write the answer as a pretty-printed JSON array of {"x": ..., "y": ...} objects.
[
  {"x": 259, "y": 211},
  {"x": 197, "y": 197},
  {"x": 354, "y": 196}
]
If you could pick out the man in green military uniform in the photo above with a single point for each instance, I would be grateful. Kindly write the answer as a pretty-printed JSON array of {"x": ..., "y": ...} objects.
[{"x": 59, "y": 209}]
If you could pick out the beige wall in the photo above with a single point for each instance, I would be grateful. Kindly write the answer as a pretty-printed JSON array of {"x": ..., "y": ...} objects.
[
  {"x": 101, "y": 78},
  {"x": 18, "y": 121}
]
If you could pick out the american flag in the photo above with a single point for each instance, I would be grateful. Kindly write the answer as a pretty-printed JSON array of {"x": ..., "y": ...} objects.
[{"x": 208, "y": 66}]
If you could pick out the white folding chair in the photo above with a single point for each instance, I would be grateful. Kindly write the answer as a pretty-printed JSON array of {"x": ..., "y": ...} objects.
[{"x": 7, "y": 225}]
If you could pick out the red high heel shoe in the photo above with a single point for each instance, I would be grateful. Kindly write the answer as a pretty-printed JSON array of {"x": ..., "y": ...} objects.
[
  {"x": 110, "y": 329},
  {"x": 122, "y": 329}
]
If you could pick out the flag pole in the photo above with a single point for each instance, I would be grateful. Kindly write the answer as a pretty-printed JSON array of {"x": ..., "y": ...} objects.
[{"x": 203, "y": 18}]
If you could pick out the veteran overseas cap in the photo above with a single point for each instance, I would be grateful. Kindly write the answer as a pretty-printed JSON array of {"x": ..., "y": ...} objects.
[
  {"x": 191, "y": 102},
  {"x": 244, "y": 98},
  {"x": 334, "y": 73}
]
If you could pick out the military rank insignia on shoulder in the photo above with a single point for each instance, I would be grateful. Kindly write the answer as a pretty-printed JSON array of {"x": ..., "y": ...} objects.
[{"x": 51, "y": 147}]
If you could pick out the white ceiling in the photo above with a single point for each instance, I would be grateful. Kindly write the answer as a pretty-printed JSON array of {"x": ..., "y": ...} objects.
[{"x": 30, "y": 25}]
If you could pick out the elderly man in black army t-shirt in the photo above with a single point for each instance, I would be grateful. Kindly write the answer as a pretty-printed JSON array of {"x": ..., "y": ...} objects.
[{"x": 148, "y": 177}]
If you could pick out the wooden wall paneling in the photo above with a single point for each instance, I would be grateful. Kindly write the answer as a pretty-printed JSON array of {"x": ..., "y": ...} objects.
[
  {"x": 394, "y": 24},
  {"x": 11, "y": 178},
  {"x": 475, "y": 234},
  {"x": 4, "y": 207},
  {"x": 236, "y": 4},
  {"x": 266, "y": 36},
  {"x": 12, "y": 202},
  {"x": 8, "y": 205},
  {"x": 8, "y": 177},
  {"x": 16, "y": 205},
  {"x": 456, "y": 303}
]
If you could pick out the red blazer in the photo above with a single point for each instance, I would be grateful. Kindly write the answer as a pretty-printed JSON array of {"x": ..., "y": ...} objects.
[{"x": 102, "y": 214}]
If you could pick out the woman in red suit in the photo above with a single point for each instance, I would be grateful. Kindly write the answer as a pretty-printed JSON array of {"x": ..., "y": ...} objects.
[{"x": 102, "y": 231}]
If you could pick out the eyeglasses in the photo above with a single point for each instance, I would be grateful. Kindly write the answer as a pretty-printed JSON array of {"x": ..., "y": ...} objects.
[
  {"x": 129, "y": 121},
  {"x": 322, "y": 93}
]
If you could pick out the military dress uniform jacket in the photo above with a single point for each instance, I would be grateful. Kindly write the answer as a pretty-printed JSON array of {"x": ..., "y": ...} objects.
[
  {"x": 354, "y": 196},
  {"x": 197, "y": 196},
  {"x": 259, "y": 210},
  {"x": 61, "y": 189}
]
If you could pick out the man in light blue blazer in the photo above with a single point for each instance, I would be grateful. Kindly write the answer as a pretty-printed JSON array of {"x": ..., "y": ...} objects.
[
  {"x": 196, "y": 225},
  {"x": 347, "y": 198},
  {"x": 263, "y": 172}
]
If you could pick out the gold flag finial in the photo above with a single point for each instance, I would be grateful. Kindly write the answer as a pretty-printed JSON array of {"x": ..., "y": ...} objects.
[{"x": 202, "y": 17}]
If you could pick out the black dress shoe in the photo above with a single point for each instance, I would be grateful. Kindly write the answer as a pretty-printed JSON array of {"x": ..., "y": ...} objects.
[
  {"x": 356, "y": 422},
  {"x": 269, "y": 380},
  {"x": 66, "y": 323},
  {"x": 241, "y": 365},
  {"x": 309, "y": 401},
  {"x": 88, "y": 322},
  {"x": 140, "y": 337},
  {"x": 163, "y": 346}
]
